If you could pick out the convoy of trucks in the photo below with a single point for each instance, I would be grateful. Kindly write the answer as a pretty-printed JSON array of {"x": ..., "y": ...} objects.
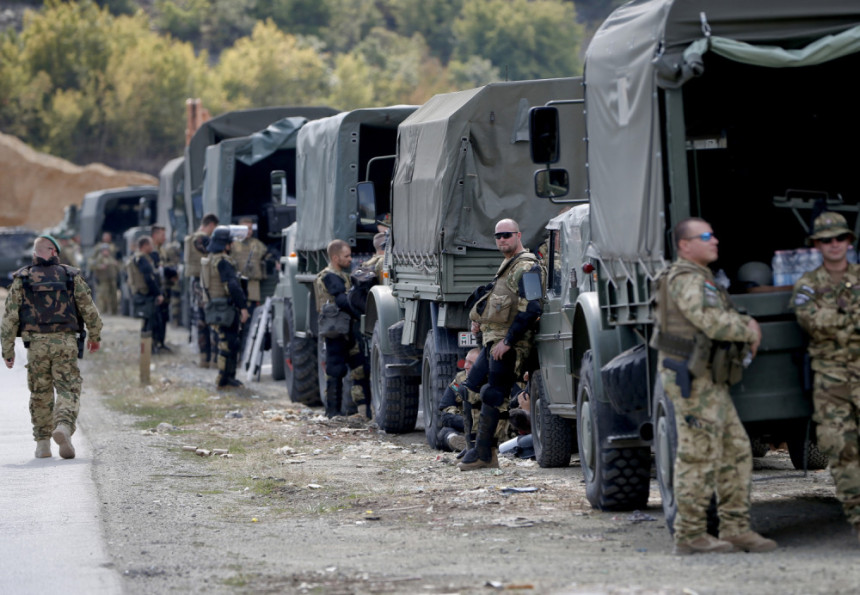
[{"x": 726, "y": 110}]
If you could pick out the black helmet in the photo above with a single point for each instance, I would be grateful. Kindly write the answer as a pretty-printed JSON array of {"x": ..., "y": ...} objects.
[{"x": 219, "y": 240}]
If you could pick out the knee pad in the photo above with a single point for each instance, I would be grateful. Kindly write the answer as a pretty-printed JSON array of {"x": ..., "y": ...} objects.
[{"x": 492, "y": 396}]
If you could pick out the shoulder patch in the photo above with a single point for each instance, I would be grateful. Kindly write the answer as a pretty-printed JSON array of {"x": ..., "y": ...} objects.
[{"x": 711, "y": 294}]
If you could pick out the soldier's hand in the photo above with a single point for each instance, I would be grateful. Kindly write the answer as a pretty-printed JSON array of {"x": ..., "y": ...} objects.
[
  {"x": 476, "y": 328},
  {"x": 10, "y": 362},
  {"x": 93, "y": 346},
  {"x": 244, "y": 315},
  {"x": 754, "y": 327},
  {"x": 499, "y": 350}
]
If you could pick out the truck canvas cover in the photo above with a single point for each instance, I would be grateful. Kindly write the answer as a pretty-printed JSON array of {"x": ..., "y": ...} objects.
[
  {"x": 650, "y": 44},
  {"x": 464, "y": 163},
  {"x": 329, "y": 167},
  {"x": 170, "y": 182}
]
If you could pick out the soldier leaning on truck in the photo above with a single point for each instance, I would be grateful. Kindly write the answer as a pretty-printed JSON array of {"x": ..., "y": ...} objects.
[
  {"x": 827, "y": 304},
  {"x": 331, "y": 286},
  {"x": 195, "y": 250},
  {"x": 47, "y": 305},
  {"x": 506, "y": 322},
  {"x": 696, "y": 325}
]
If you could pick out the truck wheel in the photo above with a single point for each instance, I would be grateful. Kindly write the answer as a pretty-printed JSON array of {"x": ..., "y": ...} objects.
[
  {"x": 615, "y": 478},
  {"x": 277, "y": 360},
  {"x": 395, "y": 336},
  {"x": 816, "y": 460},
  {"x": 665, "y": 449},
  {"x": 553, "y": 435},
  {"x": 394, "y": 398},
  {"x": 437, "y": 371},
  {"x": 300, "y": 363}
]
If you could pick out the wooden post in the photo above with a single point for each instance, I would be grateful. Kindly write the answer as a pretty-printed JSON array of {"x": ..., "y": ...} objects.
[{"x": 145, "y": 356}]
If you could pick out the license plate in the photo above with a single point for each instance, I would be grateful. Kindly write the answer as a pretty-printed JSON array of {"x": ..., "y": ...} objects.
[{"x": 467, "y": 340}]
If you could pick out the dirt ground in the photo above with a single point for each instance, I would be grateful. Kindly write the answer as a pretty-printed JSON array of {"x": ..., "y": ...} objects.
[{"x": 306, "y": 505}]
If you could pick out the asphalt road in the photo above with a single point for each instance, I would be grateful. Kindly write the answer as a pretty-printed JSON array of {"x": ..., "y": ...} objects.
[{"x": 50, "y": 534}]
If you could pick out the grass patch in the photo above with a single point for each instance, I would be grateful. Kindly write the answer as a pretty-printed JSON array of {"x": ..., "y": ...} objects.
[{"x": 178, "y": 406}]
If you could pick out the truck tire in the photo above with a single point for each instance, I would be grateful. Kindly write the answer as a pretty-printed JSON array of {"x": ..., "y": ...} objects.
[
  {"x": 395, "y": 335},
  {"x": 394, "y": 398},
  {"x": 437, "y": 371},
  {"x": 277, "y": 360},
  {"x": 759, "y": 447},
  {"x": 816, "y": 460},
  {"x": 665, "y": 449},
  {"x": 552, "y": 435},
  {"x": 615, "y": 478},
  {"x": 300, "y": 363}
]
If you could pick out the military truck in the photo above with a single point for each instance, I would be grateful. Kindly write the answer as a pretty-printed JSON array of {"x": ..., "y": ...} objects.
[
  {"x": 718, "y": 109},
  {"x": 334, "y": 154},
  {"x": 462, "y": 165}
]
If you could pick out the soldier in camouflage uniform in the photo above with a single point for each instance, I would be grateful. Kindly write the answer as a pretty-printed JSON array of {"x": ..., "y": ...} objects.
[
  {"x": 454, "y": 405},
  {"x": 506, "y": 322},
  {"x": 714, "y": 453},
  {"x": 169, "y": 259},
  {"x": 827, "y": 304},
  {"x": 105, "y": 269},
  {"x": 195, "y": 250},
  {"x": 46, "y": 305},
  {"x": 332, "y": 285}
]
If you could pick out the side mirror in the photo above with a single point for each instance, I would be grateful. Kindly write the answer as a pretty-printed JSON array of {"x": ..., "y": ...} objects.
[
  {"x": 552, "y": 183},
  {"x": 366, "y": 202},
  {"x": 543, "y": 132},
  {"x": 278, "y": 178}
]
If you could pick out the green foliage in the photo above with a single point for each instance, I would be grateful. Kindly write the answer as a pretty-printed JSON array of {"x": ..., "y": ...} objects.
[
  {"x": 526, "y": 39},
  {"x": 182, "y": 19},
  {"x": 299, "y": 17},
  {"x": 432, "y": 19}
]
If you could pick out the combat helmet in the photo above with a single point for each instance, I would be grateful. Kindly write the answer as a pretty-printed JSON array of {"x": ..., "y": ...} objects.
[{"x": 220, "y": 239}]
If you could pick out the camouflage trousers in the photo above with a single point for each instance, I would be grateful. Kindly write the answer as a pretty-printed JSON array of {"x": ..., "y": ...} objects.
[
  {"x": 714, "y": 457},
  {"x": 342, "y": 354},
  {"x": 204, "y": 334},
  {"x": 106, "y": 299},
  {"x": 228, "y": 350},
  {"x": 52, "y": 364},
  {"x": 837, "y": 413}
]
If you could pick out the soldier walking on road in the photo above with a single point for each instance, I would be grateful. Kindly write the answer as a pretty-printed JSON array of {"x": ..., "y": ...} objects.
[
  {"x": 195, "y": 250},
  {"x": 342, "y": 352},
  {"x": 220, "y": 282},
  {"x": 48, "y": 304},
  {"x": 695, "y": 320},
  {"x": 505, "y": 316},
  {"x": 827, "y": 304}
]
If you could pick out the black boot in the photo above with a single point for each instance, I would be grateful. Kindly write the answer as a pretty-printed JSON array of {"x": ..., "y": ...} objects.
[
  {"x": 333, "y": 390},
  {"x": 484, "y": 454}
]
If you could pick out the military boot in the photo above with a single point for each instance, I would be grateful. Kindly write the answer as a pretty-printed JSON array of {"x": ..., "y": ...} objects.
[
  {"x": 706, "y": 544},
  {"x": 63, "y": 437},
  {"x": 43, "y": 448},
  {"x": 332, "y": 397},
  {"x": 484, "y": 454},
  {"x": 750, "y": 541}
]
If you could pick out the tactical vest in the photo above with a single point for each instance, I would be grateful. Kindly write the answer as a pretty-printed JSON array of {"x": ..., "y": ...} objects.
[
  {"x": 502, "y": 301},
  {"x": 136, "y": 281},
  {"x": 168, "y": 252},
  {"x": 211, "y": 278},
  {"x": 321, "y": 293},
  {"x": 193, "y": 255},
  {"x": 375, "y": 263},
  {"x": 248, "y": 255},
  {"x": 49, "y": 299}
]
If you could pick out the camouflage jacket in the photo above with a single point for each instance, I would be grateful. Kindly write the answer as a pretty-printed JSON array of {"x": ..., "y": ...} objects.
[
  {"x": 374, "y": 263},
  {"x": 12, "y": 320},
  {"x": 830, "y": 312},
  {"x": 104, "y": 267},
  {"x": 169, "y": 255},
  {"x": 706, "y": 305}
]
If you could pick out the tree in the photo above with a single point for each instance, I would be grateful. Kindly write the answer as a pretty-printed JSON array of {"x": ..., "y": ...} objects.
[
  {"x": 272, "y": 68},
  {"x": 432, "y": 19},
  {"x": 524, "y": 39},
  {"x": 298, "y": 17}
]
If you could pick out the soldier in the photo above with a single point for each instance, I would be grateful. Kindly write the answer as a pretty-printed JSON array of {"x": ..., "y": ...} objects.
[
  {"x": 454, "y": 406},
  {"x": 505, "y": 316},
  {"x": 827, "y": 305},
  {"x": 169, "y": 259},
  {"x": 147, "y": 295},
  {"x": 195, "y": 250},
  {"x": 105, "y": 269},
  {"x": 374, "y": 263},
  {"x": 107, "y": 238},
  {"x": 220, "y": 281},
  {"x": 331, "y": 286},
  {"x": 364, "y": 278},
  {"x": 48, "y": 303},
  {"x": 693, "y": 314},
  {"x": 248, "y": 256}
]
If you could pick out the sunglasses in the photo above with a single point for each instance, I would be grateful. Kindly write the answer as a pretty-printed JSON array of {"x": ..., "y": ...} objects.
[
  {"x": 504, "y": 234},
  {"x": 842, "y": 237},
  {"x": 705, "y": 237}
]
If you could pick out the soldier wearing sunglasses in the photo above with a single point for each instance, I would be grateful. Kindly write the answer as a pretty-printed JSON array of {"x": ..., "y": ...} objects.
[
  {"x": 827, "y": 304},
  {"x": 696, "y": 322}
]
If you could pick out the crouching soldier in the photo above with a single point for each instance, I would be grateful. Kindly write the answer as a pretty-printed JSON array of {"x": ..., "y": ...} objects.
[
  {"x": 342, "y": 348},
  {"x": 226, "y": 308}
]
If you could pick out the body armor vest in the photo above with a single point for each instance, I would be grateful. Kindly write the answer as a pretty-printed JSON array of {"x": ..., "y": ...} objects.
[
  {"x": 211, "y": 278},
  {"x": 49, "y": 299},
  {"x": 135, "y": 278},
  {"x": 321, "y": 293},
  {"x": 193, "y": 255},
  {"x": 502, "y": 301}
]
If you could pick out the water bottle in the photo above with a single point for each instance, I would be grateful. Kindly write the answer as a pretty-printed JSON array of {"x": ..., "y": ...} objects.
[
  {"x": 802, "y": 263},
  {"x": 780, "y": 264},
  {"x": 722, "y": 279}
]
